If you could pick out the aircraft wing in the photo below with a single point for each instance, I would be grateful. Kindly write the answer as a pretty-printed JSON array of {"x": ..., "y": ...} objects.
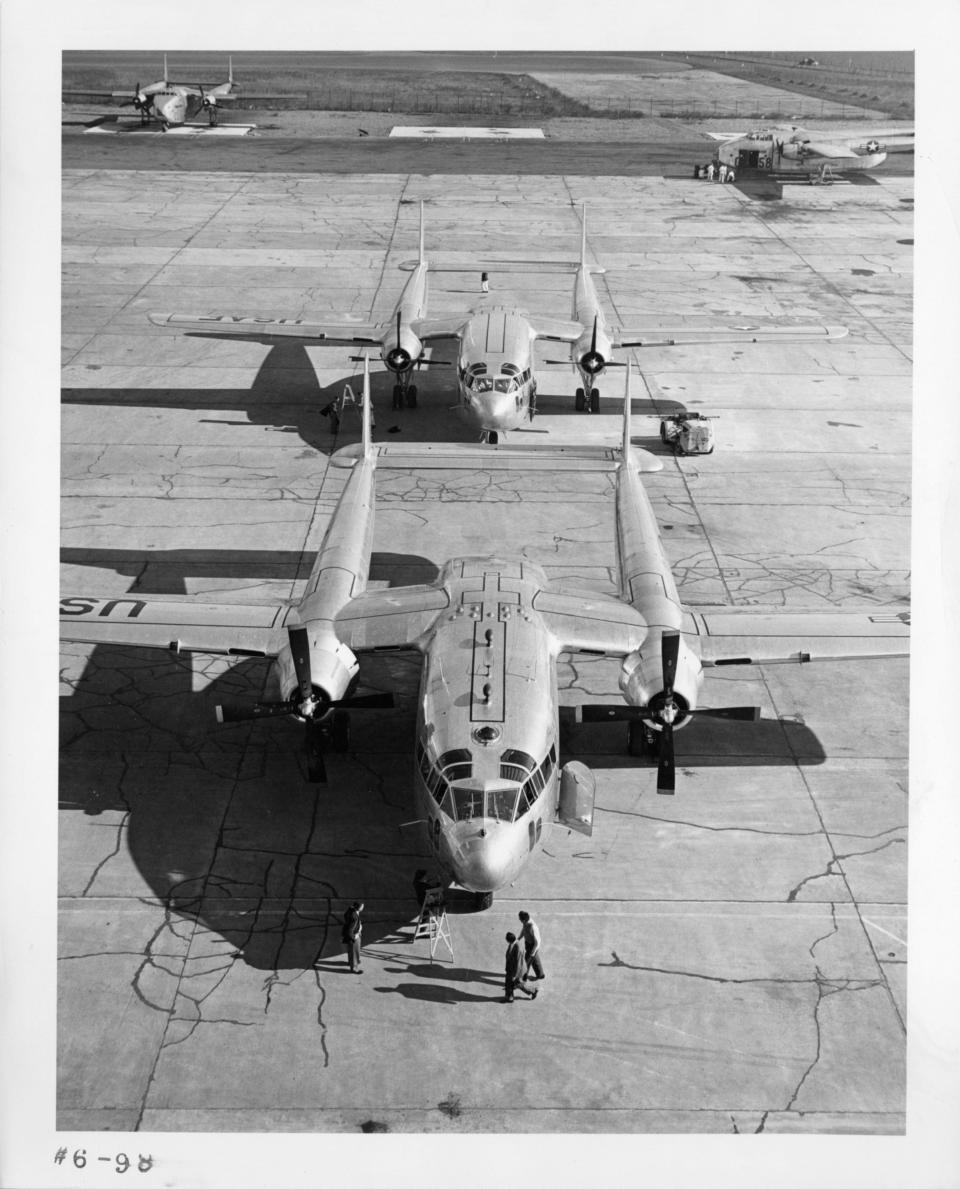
[
  {"x": 176, "y": 624},
  {"x": 728, "y": 635},
  {"x": 150, "y": 89},
  {"x": 556, "y": 330},
  {"x": 591, "y": 623},
  {"x": 346, "y": 333},
  {"x": 390, "y": 619},
  {"x": 449, "y": 327},
  {"x": 829, "y": 149},
  {"x": 679, "y": 336}
]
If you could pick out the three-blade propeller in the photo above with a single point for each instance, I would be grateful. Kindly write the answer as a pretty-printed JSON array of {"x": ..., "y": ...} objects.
[{"x": 309, "y": 703}]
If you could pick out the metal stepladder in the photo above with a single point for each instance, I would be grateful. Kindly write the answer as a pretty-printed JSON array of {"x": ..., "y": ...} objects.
[
  {"x": 337, "y": 406},
  {"x": 433, "y": 922}
]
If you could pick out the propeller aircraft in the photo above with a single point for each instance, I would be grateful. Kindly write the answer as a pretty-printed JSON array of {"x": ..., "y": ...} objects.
[
  {"x": 791, "y": 149},
  {"x": 497, "y": 387},
  {"x": 173, "y": 103},
  {"x": 487, "y": 773}
]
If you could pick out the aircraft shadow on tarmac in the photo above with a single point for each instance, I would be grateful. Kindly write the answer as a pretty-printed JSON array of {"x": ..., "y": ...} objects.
[
  {"x": 224, "y": 829},
  {"x": 287, "y": 397}
]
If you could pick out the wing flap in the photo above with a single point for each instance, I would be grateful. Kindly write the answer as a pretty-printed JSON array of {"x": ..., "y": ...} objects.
[
  {"x": 679, "y": 336},
  {"x": 180, "y": 625},
  {"x": 727, "y": 634}
]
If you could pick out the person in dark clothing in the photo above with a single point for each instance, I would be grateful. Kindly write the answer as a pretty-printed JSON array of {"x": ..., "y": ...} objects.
[
  {"x": 513, "y": 971},
  {"x": 423, "y": 883},
  {"x": 352, "y": 929}
]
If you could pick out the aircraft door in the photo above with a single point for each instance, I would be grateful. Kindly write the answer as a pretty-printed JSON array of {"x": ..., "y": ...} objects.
[{"x": 577, "y": 792}]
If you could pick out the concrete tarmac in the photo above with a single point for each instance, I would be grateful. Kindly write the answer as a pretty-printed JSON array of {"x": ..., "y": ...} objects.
[{"x": 731, "y": 959}]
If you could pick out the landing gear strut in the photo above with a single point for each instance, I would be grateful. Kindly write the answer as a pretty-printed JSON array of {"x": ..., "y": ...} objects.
[
  {"x": 585, "y": 403},
  {"x": 404, "y": 393}
]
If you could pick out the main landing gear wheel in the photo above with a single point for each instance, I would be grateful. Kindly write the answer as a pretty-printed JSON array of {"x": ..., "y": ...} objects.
[
  {"x": 482, "y": 900},
  {"x": 412, "y": 396},
  {"x": 580, "y": 400},
  {"x": 595, "y": 400}
]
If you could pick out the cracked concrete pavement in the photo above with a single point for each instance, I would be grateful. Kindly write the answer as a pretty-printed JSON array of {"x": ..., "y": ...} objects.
[{"x": 729, "y": 960}]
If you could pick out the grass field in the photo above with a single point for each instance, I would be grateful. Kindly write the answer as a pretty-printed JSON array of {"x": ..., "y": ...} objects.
[{"x": 359, "y": 82}]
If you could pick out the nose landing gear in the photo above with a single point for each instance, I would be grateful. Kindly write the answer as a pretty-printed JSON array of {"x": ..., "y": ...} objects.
[
  {"x": 404, "y": 393},
  {"x": 587, "y": 402}
]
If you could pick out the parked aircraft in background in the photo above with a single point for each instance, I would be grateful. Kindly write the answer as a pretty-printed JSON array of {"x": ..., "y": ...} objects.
[
  {"x": 172, "y": 104},
  {"x": 497, "y": 387},
  {"x": 789, "y": 148},
  {"x": 487, "y": 772}
]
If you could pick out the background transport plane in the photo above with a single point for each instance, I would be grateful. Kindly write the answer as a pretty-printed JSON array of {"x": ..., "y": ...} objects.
[
  {"x": 787, "y": 148},
  {"x": 174, "y": 103},
  {"x": 487, "y": 766},
  {"x": 496, "y": 382}
]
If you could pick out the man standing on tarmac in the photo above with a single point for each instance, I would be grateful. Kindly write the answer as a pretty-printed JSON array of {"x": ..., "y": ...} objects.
[
  {"x": 530, "y": 935},
  {"x": 513, "y": 971},
  {"x": 352, "y": 929}
]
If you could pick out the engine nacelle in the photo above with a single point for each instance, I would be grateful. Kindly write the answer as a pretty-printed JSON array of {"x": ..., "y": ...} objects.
[
  {"x": 333, "y": 668},
  {"x": 641, "y": 678},
  {"x": 401, "y": 351},
  {"x": 592, "y": 356}
]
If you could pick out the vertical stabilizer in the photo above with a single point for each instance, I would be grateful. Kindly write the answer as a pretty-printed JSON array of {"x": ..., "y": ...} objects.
[
  {"x": 583, "y": 235},
  {"x": 166, "y": 76},
  {"x": 422, "y": 260},
  {"x": 230, "y": 70}
]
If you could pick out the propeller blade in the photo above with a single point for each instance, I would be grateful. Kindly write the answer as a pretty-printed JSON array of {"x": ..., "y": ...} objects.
[
  {"x": 738, "y": 713},
  {"x": 666, "y": 774},
  {"x": 593, "y": 344},
  {"x": 398, "y": 328},
  {"x": 300, "y": 650},
  {"x": 314, "y": 739},
  {"x": 670, "y": 651},
  {"x": 367, "y": 702}
]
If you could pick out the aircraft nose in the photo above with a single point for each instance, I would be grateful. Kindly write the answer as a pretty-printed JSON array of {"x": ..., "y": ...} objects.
[{"x": 486, "y": 862}]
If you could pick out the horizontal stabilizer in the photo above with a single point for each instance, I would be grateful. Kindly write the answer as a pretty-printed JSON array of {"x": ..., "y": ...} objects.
[
  {"x": 495, "y": 266},
  {"x": 466, "y": 456}
]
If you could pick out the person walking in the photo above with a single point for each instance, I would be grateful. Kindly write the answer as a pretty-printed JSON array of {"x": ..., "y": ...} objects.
[
  {"x": 530, "y": 935},
  {"x": 710, "y": 171},
  {"x": 723, "y": 171},
  {"x": 513, "y": 979},
  {"x": 352, "y": 930},
  {"x": 484, "y": 283}
]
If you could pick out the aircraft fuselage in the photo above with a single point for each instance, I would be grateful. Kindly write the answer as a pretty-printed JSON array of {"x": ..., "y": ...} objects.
[
  {"x": 486, "y": 773},
  {"x": 495, "y": 369},
  {"x": 788, "y": 153}
]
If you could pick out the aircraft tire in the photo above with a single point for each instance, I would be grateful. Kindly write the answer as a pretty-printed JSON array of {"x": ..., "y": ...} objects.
[
  {"x": 340, "y": 731},
  {"x": 412, "y": 396},
  {"x": 397, "y": 396},
  {"x": 580, "y": 400},
  {"x": 663, "y": 432},
  {"x": 482, "y": 901},
  {"x": 595, "y": 400},
  {"x": 493, "y": 438}
]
